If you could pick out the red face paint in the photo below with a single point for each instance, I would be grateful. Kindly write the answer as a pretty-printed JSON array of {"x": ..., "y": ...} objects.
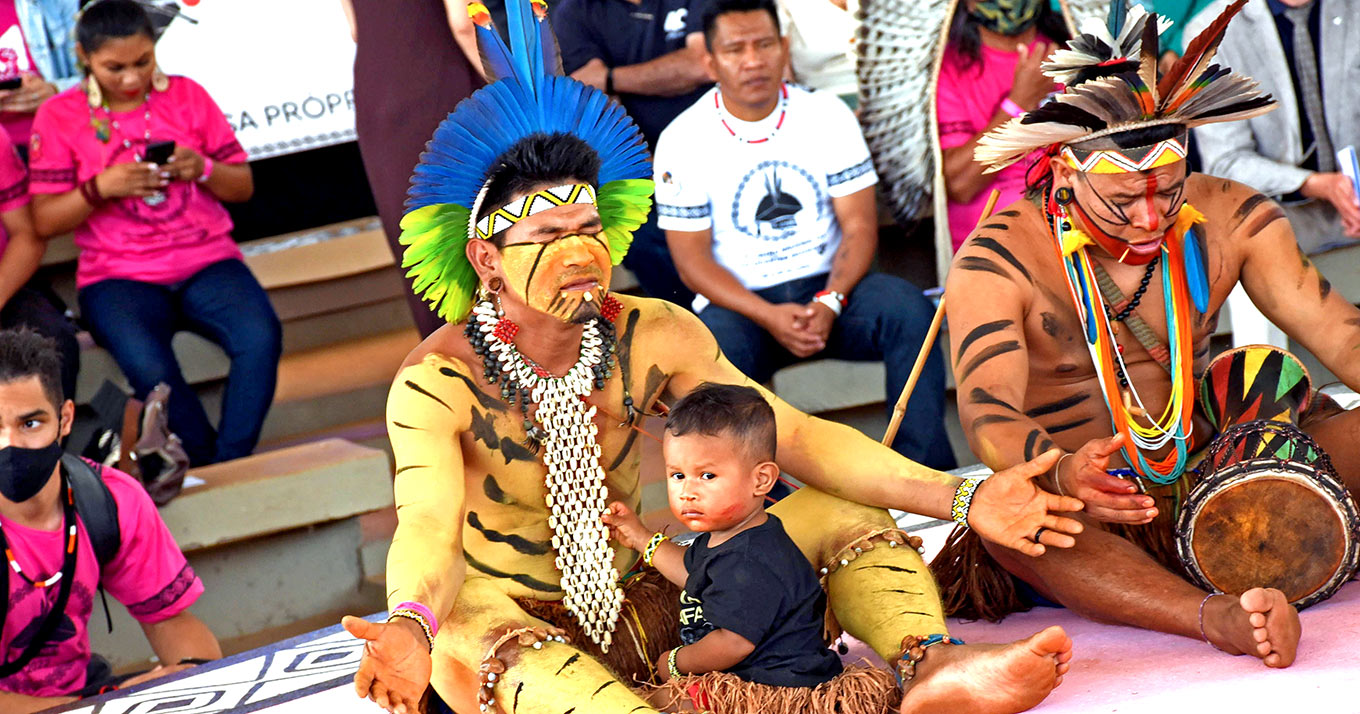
[{"x": 1153, "y": 218}]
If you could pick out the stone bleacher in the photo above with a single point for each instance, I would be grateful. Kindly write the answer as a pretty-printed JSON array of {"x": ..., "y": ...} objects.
[{"x": 297, "y": 534}]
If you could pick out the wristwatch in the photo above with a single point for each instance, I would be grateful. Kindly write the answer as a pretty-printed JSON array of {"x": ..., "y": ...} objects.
[{"x": 832, "y": 299}]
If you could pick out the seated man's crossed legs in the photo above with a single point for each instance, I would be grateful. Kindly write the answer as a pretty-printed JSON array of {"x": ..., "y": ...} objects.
[
  {"x": 881, "y": 595},
  {"x": 1108, "y": 579}
]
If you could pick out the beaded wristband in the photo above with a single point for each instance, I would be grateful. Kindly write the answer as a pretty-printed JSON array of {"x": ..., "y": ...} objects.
[
  {"x": 652, "y": 545},
  {"x": 424, "y": 612},
  {"x": 417, "y": 618},
  {"x": 963, "y": 500},
  {"x": 671, "y": 669}
]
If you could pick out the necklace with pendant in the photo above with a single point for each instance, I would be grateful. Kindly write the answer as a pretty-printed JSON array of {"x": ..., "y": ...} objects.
[{"x": 104, "y": 128}]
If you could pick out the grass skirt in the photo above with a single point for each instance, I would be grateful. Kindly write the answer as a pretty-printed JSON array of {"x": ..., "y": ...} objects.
[{"x": 857, "y": 690}]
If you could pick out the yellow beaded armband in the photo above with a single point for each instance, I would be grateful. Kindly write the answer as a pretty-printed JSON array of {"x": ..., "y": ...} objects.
[
  {"x": 652, "y": 545},
  {"x": 963, "y": 500}
]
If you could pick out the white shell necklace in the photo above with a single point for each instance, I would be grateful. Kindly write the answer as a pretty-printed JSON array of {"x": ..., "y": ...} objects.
[{"x": 577, "y": 495}]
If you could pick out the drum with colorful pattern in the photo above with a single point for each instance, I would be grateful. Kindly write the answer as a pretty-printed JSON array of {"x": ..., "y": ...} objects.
[{"x": 1269, "y": 512}]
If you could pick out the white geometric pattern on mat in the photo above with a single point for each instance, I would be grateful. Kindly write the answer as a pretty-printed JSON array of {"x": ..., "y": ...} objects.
[{"x": 311, "y": 673}]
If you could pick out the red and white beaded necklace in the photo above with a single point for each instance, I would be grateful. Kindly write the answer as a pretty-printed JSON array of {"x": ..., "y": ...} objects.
[
  {"x": 779, "y": 123},
  {"x": 68, "y": 563}
]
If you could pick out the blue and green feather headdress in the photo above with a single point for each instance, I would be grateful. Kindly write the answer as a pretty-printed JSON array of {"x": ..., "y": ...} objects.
[{"x": 528, "y": 95}]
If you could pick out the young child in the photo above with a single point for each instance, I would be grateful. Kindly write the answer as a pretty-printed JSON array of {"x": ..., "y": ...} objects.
[{"x": 751, "y": 606}]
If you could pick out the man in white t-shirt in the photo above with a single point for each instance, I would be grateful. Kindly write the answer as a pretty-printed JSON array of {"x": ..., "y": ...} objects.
[{"x": 766, "y": 193}]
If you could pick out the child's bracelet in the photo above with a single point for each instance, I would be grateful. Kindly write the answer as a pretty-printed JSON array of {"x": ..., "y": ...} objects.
[
  {"x": 652, "y": 545},
  {"x": 670, "y": 664}
]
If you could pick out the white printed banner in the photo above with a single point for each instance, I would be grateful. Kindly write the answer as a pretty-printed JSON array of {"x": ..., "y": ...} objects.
[{"x": 281, "y": 70}]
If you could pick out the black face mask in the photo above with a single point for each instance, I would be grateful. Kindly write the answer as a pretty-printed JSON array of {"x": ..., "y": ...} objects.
[{"x": 24, "y": 472}]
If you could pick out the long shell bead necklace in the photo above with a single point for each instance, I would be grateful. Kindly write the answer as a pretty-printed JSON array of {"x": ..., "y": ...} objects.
[{"x": 564, "y": 426}]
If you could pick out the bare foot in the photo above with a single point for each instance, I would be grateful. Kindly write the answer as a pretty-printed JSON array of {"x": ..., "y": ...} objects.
[
  {"x": 989, "y": 679},
  {"x": 1261, "y": 623}
]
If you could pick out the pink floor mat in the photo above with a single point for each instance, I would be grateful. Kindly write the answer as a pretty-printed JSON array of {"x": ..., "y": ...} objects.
[{"x": 1121, "y": 669}]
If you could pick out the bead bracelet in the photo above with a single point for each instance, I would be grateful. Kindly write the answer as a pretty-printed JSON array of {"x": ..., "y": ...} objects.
[
  {"x": 914, "y": 650},
  {"x": 963, "y": 499},
  {"x": 417, "y": 618},
  {"x": 650, "y": 551},
  {"x": 670, "y": 664}
]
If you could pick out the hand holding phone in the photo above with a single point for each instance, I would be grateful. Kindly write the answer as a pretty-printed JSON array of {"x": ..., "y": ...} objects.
[
  {"x": 159, "y": 152},
  {"x": 12, "y": 83}
]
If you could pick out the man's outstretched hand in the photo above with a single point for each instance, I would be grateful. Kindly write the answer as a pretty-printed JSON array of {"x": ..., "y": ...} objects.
[
  {"x": 1009, "y": 508},
  {"x": 1108, "y": 498},
  {"x": 396, "y": 666}
]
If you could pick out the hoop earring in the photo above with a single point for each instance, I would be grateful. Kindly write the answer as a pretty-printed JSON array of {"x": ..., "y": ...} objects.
[
  {"x": 159, "y": 81},
  {"x": 1064, "y": 195}
]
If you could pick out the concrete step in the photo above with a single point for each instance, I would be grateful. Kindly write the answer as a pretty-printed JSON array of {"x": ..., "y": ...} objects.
[
  {"x": 278, "y": 490},
  {"x": 276, "y": 539}
]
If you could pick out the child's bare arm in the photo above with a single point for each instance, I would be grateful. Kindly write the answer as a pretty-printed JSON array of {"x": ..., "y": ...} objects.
[
  {"x": 669, "y": 560},
  {"x": 629, "y": 531},
  {"x": 717, "y": 651}
]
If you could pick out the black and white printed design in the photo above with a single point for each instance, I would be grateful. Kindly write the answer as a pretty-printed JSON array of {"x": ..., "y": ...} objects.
[
  {"x": 311, "y": 673},
  {"x": 776, "y": 200}
]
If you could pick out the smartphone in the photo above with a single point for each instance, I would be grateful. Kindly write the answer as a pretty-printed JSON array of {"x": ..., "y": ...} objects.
[
  {"x": 12, "y": 83},
  {"x": 159, "y": 152}
]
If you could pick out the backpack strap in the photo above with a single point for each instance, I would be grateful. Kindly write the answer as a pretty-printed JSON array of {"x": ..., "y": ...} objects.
[{"x": 95, "y": 504}]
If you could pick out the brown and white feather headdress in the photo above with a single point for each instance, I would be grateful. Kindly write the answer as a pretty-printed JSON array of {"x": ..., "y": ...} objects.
[{"x": 1127, "y": 94}]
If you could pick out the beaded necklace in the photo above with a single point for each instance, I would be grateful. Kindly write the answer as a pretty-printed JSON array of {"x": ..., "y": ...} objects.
[
  {"x": 104, "y": 128},
  {"x": 1124, "y": 402},
  {"x": 66, "y": 576},
  {"x": 69, "y": 519},
  {"x": 783, "y": 112},
  {"x": 566, "y": 430}
]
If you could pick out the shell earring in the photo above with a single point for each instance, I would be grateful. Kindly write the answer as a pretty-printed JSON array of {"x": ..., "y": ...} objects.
[
  {"x": 159, "y": 81},
  {"x": 92, "y": 92}
]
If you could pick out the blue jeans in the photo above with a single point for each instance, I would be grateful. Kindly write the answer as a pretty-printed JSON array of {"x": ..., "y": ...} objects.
[
  {"x": 224, "y": 303},
  {"x": 887, "y": 319},
  {"x": 650, "y": 260}
]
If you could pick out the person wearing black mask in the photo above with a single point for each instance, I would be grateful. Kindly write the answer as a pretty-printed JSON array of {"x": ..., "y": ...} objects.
[{"x": 52, "y": 572}]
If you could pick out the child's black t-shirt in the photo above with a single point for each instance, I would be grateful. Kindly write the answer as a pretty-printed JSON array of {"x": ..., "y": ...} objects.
[{"x": 759, "y": 585}]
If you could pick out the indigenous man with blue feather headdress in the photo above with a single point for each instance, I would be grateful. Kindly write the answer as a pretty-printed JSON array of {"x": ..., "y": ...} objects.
[
  {"x": 1103, "y": 288},
  {"x": 514, "y": 425}
]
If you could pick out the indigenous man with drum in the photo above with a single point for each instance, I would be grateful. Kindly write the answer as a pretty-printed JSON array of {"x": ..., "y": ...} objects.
[{"x": 1103, "y": 287}]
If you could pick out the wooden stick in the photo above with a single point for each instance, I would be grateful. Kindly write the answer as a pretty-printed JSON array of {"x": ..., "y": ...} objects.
[{"x": 900, "y": 409}]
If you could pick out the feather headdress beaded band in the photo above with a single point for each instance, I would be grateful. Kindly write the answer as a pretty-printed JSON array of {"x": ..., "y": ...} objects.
[
  {"x": 1125, "y": 94},
  {"x": 527, "y": 95}
]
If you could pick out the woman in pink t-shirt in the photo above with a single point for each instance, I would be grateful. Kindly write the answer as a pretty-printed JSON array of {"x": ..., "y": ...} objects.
[
  {"x": 990, "y": 73},
  {"x": 156, "y": 253},
  {"x": 24, "y": 301}
]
